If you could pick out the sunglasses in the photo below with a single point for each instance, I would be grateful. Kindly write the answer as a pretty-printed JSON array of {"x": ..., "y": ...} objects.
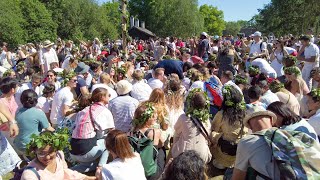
[{"x": 74, "y": 80}]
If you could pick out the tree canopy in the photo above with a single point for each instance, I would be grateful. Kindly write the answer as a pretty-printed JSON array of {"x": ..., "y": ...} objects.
[{"x": 213, "y": 19}]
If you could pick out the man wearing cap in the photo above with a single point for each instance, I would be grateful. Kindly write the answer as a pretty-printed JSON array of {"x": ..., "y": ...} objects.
[
  {"x": 123, "y": 106},
  {"x": 83, "y": 72},
  {"x": 47, "y": 56},
  {"x": 203, "y": 48},
  {"x": 257, "y": 47},
  {"x": 310, "y": 58},
  {"x": 253, "y": 151}
]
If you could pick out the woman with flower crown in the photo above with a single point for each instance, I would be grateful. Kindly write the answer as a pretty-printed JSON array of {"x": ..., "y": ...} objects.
[
  {"x": 191, "y": 129},
  {"x": 227, "y": 128},
  {"x": 145, "y": 117},
  {"x": 297, "y": 86}
]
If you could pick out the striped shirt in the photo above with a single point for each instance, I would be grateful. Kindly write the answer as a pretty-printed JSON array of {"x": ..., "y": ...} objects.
[
  {"x": 122, "y": 109},
  {"x": 102, "y": 120}
]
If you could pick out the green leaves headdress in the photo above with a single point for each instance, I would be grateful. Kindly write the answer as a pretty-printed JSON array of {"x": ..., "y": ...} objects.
[
  {"x": 146, "y": 115},
  {"x": 226, "y": 91},
  {"x": 292, "y": 70},
  {"x": 315, "y": 93},
  {"x": 202, "y": 114},
  {"x": 58, "y": 140}
]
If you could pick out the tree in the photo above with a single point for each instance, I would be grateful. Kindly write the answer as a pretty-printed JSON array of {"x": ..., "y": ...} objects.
[
  {"x": 232, "y": 28},
  {"x": 39, "y": 24},
  {"x": 11, "y": 21},
  {"x": 180, "y": 18},
  {"x": 213, "y": 19}
]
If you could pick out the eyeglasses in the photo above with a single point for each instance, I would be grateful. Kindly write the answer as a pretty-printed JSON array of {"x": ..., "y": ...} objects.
[
  {"x": 43, "y": 155},
  {"x": 74, "y": 80}
]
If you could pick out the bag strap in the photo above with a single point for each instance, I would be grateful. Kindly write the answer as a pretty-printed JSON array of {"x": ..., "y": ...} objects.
[
  {"x": 91, "y": 118},
  {"x": 202, "y": 129},
  {"x": 147, "y": 132},
  {"x": 33, "y": 170}
]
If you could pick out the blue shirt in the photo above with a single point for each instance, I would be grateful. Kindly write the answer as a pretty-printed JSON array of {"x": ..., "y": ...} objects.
[
  {"x": 171, "y": 66},
  {"x": 30, "y": 121}
]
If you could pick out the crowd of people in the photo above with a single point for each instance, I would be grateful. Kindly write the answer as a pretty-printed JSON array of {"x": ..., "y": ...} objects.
[{"x": 171, "y": 109}]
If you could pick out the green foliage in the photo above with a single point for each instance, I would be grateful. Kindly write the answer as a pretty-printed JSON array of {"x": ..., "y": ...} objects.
[
  {"x": 58, "y": 140},
  {"x": 213, "y": 19},
  {"x": 232, "y": 28},
  {"x": 202, "y": 114},
  {"x": 11, "y": 21},
  {"x": 146, "y": 115},
  {"x": 180, "y": 18},
  {"x": 292, "y": 16},
  {"x": 39, "y": 24}
]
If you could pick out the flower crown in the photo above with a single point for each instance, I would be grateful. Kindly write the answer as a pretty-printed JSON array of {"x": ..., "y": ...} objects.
[
  {"x": 146, "y": 115},
  {"x": 315, "y": 93},
  {"x": 254, "y": 70},
  {"x": 66, "y": 76},
  {"x": 58, "y": 140},
  {"x": 201, "y": 114},
  {"x": 276, "y": 86},
  {"x": 238, "y": 79},
  {"x": 227, "y": 99},
  {"x": 290, "y": 58},
  {"x": 292, "y": 70},
  {"x": 122, "y": 70}
]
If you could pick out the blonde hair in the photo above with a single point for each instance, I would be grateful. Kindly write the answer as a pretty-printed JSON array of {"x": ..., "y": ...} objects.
[{"x": 157, "y": 99}]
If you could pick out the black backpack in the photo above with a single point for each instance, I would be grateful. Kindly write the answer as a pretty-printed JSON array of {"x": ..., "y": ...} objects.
[{"x": 18, "y": 170}]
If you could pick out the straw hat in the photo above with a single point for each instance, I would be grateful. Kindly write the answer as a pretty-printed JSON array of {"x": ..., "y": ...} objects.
[
  {"x": 256, "y": 111},
  {"x": 124, "y": 87},
  {"x": 47, "y": 43}
]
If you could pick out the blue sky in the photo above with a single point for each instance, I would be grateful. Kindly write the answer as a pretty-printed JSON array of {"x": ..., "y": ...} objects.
[
  {"x": 234, "y": 9},
  {"x": 237, "y": 9}
]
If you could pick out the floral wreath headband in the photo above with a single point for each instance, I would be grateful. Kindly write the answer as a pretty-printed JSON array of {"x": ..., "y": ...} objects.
[
  {"x": 315, "y": 93},
  {"x": 292, "y": 70},
  {"x": 240, "y": 80},
  {"x": 201, "y": 114},
  {"x": 290, "y": 58},
  {"x": 276, "y": 86},
  {"x": 254, "y": 70},
  {"x": 228, "y": 102},
  {"x": 66, "y": 77},
  {"x": 122, "y": 70},
  {"x": 58, "y": 140},
  {"x": 146, "y": 115}
]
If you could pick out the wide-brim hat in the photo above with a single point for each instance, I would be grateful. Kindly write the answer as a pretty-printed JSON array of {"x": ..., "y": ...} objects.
[
  {"x": 123, "y": 87},
  {"x": 256, "y": 111},
  {"x": 47, "y": 43},
  {"x": 82, "y": 68}
]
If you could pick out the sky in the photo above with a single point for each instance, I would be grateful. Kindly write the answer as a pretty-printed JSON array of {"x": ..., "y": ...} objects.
[
  {"x": 234, "y": 9},
  {"x": 237, "y": 9}
]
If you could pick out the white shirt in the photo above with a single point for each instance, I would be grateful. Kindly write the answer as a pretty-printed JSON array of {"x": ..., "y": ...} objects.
[
  {"x": 255, "y": 47},
  {"x": 264, "y": 66},
  {"x": 312, "y": 50},
  {"x": 231, "y": 83},
  {"x": 155, "y": 83},
  {"x": 65, "y": 64},
  {"x": 141, "y": 91},
  {"x": 44, "y": 104},
  {"x": 131, "y": 168},
  {"x": 62, "y": 97},
  {"x": 290, "y": 50},
  {"x": 269, "y": 97},
  {"x": 315, "y": 122},
  {"x": 22, "y": 88},
  {"x": 48, "y": 57},
  {"x": 112, "y": 92}
]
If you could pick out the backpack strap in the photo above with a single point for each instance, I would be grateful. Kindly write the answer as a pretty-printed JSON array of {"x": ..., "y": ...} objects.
[
  {"x": 202, "y": 129},
  {"x": 33, "y": 170},
  {"x": 147, "y": 132}
]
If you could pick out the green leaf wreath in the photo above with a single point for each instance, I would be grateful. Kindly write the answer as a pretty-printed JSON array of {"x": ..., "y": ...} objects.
[
  {"x": 226, "y": 91},
  {"x": 202, "y": 114},
  {"x": 254, "y": 70},
  {"x": 146, "y": 115},
  {"x": 292, "y": 70},
  {"x": 276, "y": 86},
  {"x": 58, "y": 140},
  {"x": 238, "y": 79},
  {"x": 315, "y": 93},
  {"x": 66, "y": 76}
]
